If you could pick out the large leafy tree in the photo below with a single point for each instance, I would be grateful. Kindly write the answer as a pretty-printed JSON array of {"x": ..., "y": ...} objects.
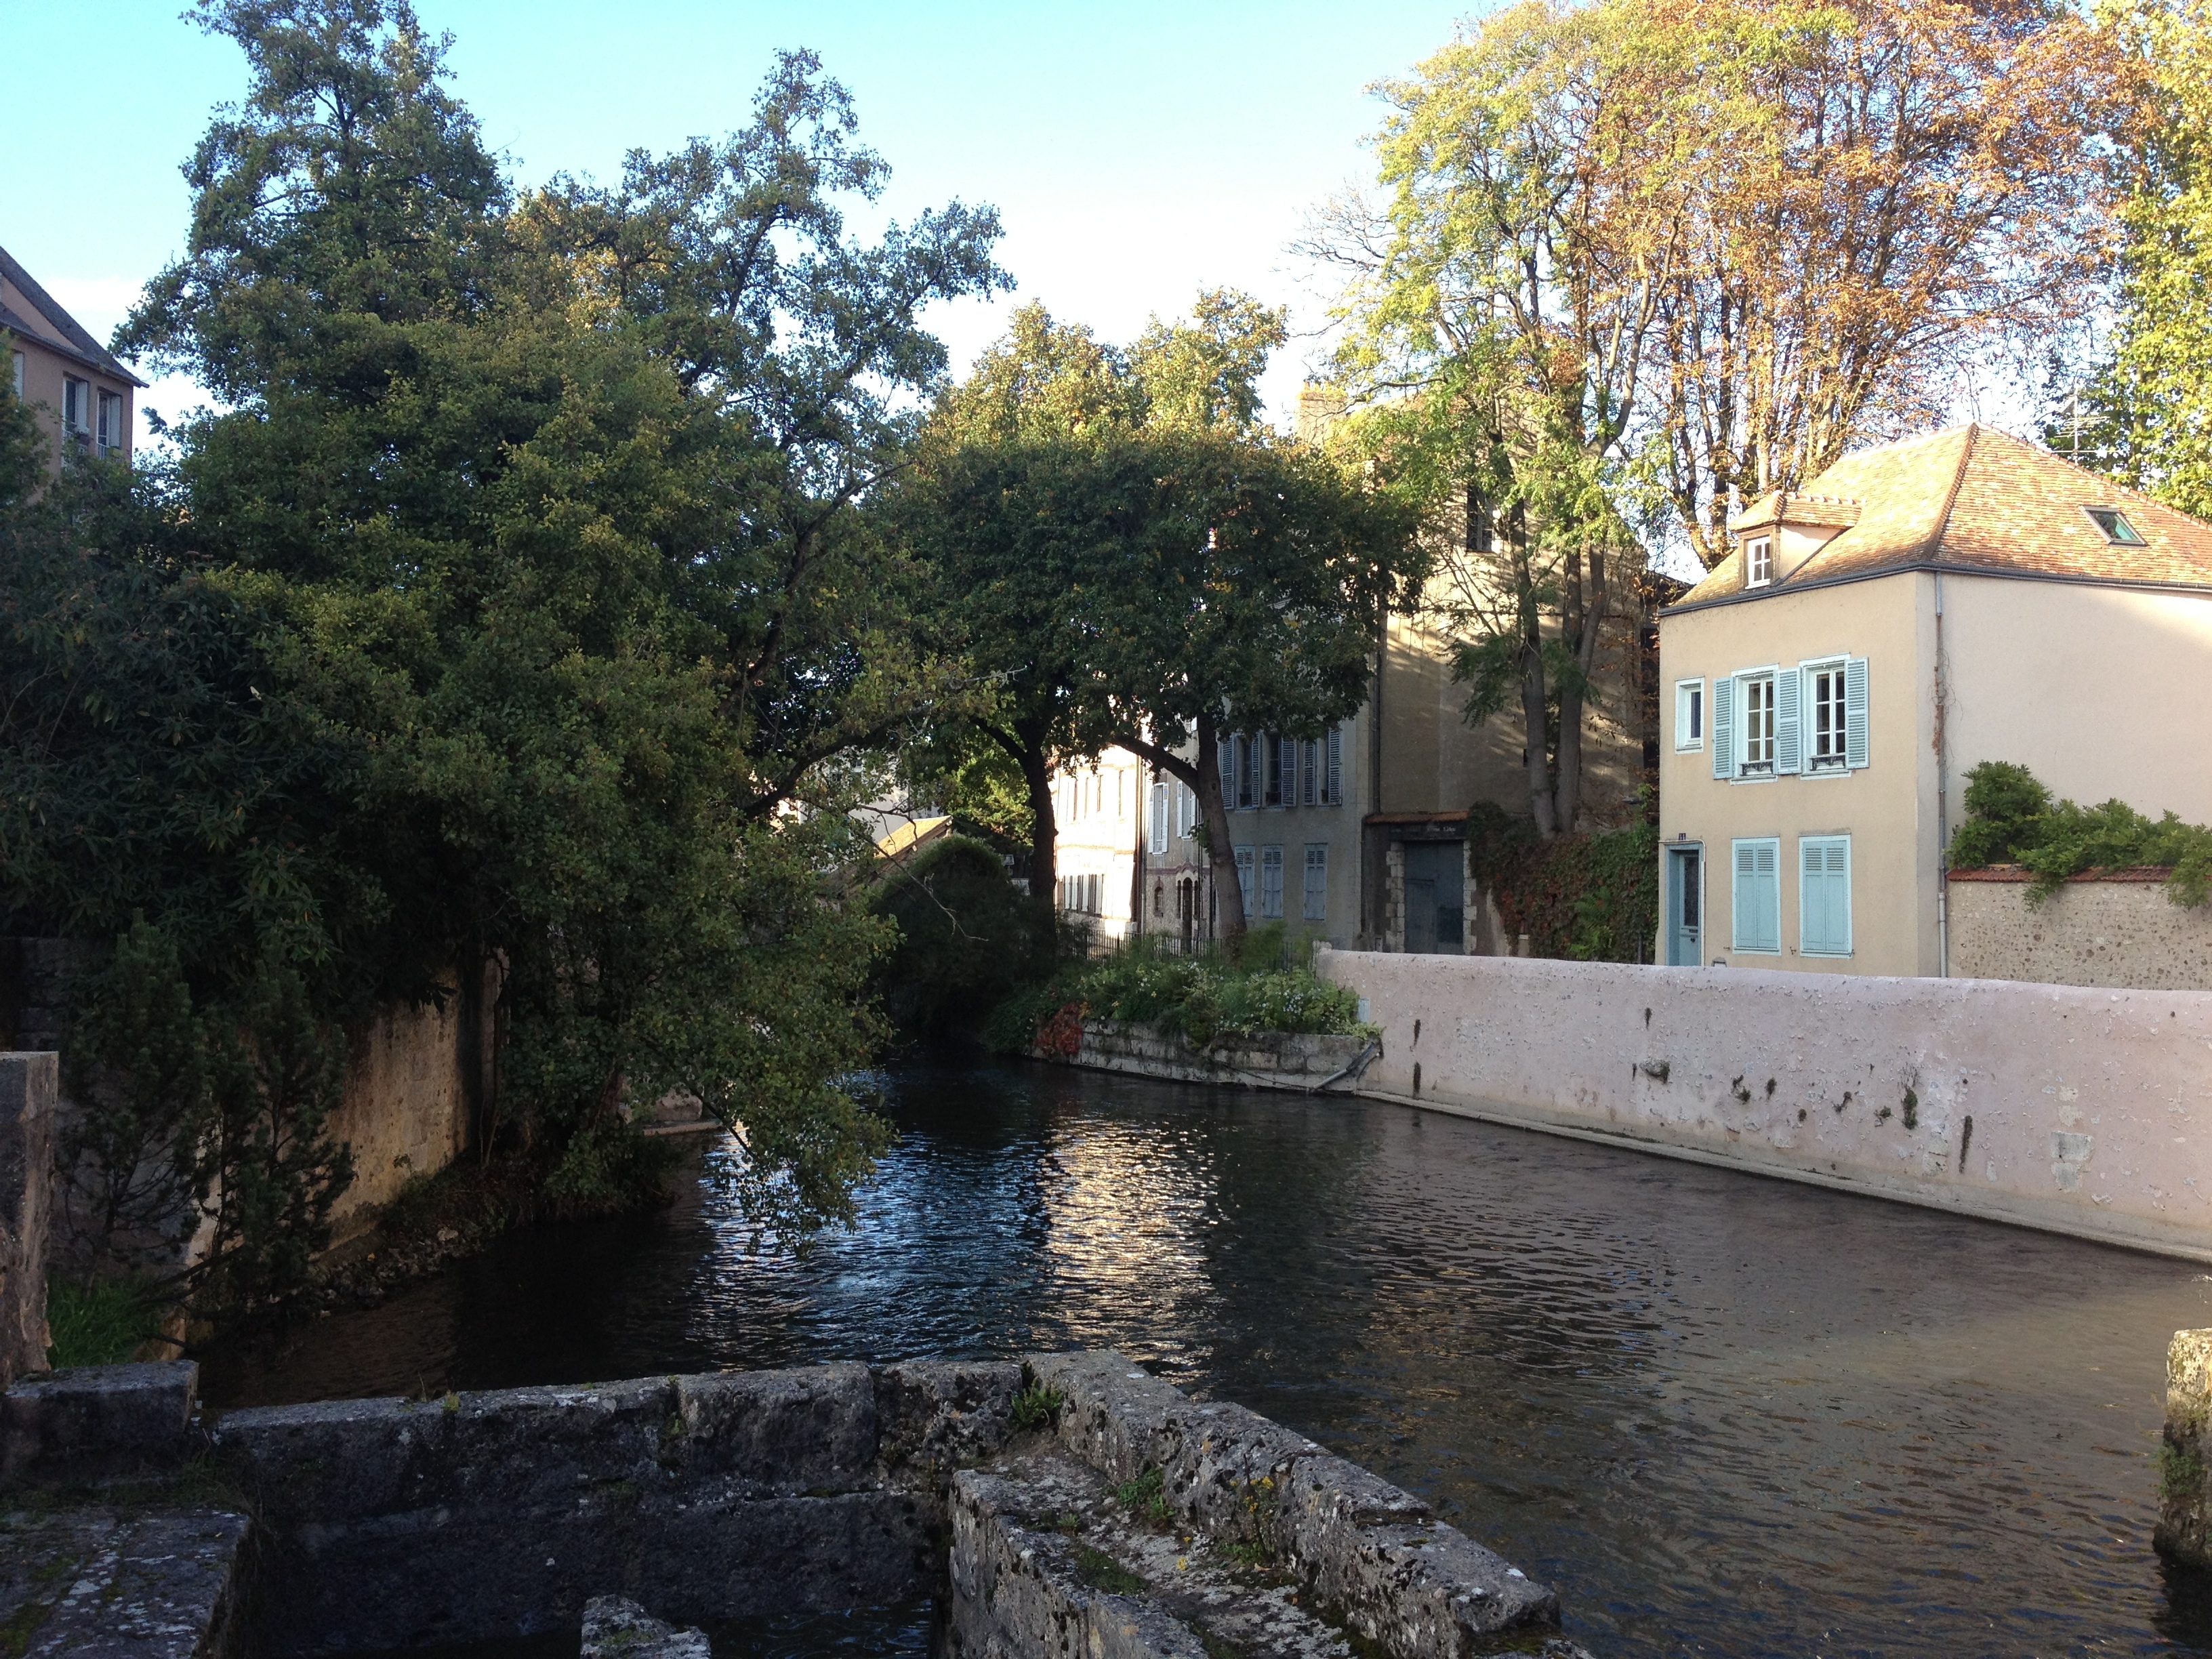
[{"x": 532, "y": 591}]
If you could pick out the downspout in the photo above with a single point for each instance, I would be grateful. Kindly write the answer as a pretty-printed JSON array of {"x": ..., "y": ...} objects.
[
  {"x": 1369, "y": 912},
  {"x": 1942, "y": 806}
]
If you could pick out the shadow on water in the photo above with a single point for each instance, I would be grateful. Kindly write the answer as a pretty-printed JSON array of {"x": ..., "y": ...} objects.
[{"x": 1724, "y": 1414}]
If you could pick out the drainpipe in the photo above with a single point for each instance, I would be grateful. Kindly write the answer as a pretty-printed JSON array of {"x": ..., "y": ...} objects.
[
  {"x": 1370, "y": 907},
  {"x": 1942, "y": 806}
]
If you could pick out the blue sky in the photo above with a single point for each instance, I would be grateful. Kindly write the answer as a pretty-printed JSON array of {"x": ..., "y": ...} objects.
[{"x": 1137, "y": 153}]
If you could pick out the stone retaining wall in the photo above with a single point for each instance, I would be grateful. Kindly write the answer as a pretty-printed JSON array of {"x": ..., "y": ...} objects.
[
  {"x": 1263, "y": 1060},
  {"x": 2113, "y": 928},
  {"x": 2081, "y": 1111}
]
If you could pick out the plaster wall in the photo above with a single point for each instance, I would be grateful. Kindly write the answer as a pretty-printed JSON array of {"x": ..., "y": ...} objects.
[
  {"x": 2076, "y": 1110},
  {"x": 405, "y": 1110},
  {"x": 2100, "y": 691},
  {"x": 1887, "y": 807},
  {"x": 2110, "y": 932}
]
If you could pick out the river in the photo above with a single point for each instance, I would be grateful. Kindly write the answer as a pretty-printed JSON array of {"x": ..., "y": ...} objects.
[{"x": 1722, "y": 1414}]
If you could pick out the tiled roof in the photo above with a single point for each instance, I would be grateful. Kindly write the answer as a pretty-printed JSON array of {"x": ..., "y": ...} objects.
[
  {"x": 75, "y": 339},
  {"x": 1974, "y": 498}
]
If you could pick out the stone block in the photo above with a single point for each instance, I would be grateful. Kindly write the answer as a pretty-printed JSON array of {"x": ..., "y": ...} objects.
[
  {"x": 29, "y": 1085},
  {"x": 2184, "y": 1532},
  {"x": 339, "y": 1459},
  {"x": 159, "y": 1587},
  {"x": 92, "y": 1423},
  {"x": 941, "y": 1414},
  {"x": 521, "y": 1448},
  {"x": 809, "y": 1428},
  {"x": 619, "y": 1629},
  {"x": 1119, "y": 1418}
]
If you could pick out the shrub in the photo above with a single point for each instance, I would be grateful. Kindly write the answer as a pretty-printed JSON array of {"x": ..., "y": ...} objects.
[
  {"x": 2012, "y": 819},
  {"x": 966, "y": 937},
  {"x": 1587, "y": 898}
]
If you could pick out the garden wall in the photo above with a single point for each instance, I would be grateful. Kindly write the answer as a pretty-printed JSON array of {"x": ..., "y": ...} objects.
[
  {"x": 2082, "y": 1111},
  {"x": 2107, "y": 928},
  {"x": 1263, "y": 1060}
]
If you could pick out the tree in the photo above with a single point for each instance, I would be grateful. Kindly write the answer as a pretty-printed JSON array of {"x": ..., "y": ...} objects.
[
  {"x": 1501, "y": 311},
  {"x": 2149, "y": 414},
  {"x": 1236, "y": 582},
  {"x": 519, "y": 594}
]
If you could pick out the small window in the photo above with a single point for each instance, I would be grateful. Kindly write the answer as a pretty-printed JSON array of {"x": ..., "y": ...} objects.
[
  {"x": 1759, "y": 562},
  {"x": 2114, "y": 523},
  {"x": 74, "y": 398},
  {"x": 1757, "y": 726},
  {"x": 1689, "y": 715},
  {"x": 109, "y": 433},
  {"x": 1317, "y": 894}
]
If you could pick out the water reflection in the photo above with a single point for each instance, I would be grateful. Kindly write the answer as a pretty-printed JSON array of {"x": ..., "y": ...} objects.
[{"x": 1724, "y": 1414}]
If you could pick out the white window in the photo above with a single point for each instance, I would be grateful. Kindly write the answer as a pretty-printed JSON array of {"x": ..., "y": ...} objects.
[
  {"x": 1270, "y": 881},
  {"x": 1244, "y": 884},
  {"x": 109, "y": 433},
  {"x": 1826, "y": 721},
  {"x": 1755, "y": 898},
  {"x": 74, "y": 392},
  {"x": 1758, "y": 724},
  {"x": 1158, "y": 843},
  {"x": 1316, "y": 895},
  {"x": 1759, "y": 562},
  {"x": 1333, "y": 784},
  {"x": 1824, "y": 895},
  {"x": 1689, "y": 715}
]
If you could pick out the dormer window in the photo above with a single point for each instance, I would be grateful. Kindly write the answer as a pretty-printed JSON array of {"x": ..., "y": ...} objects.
[
  {"x": 1759, "y": 560},
  {"x": 2116, "y": 529}
]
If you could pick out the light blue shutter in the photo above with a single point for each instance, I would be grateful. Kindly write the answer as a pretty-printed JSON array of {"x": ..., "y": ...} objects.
[
  {"x": 1723, "y": 726},
  {"x": 1225, "y": 753},
  {"x": 1334, "y": 796},
  {"x": 1823, "y": 917},
  {"x": 1788, "y": 724},
  {"x": 1755, "y": 910},
  {"x": 1855, "y": 712}
]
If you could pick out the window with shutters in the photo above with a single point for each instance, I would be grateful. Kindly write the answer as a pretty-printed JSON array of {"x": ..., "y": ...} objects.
[
  {"x": 1308, "y": 772},
  {"x": 75, "y": 395},
  {"x": 1755, "y": 896},
  {"x": 1689, "y": 715},
  {"x": 1316, "y": 893},
  {"x": 1757, "y": 723},
  {"x": 108, "y": 433},
  {"x": 1243, "y": 750},
  {"x": 1824, "y": 895},
  {"x": 1333, "y": 784},
  {"x": 1245, "y": 883},
  {"x": 1271, "y": 882},
  {"x": 1159, "y": 842},
  {"x": 1826, "y": 719}
]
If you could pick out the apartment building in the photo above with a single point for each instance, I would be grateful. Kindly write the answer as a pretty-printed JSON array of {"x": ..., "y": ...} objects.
[{"x": 80, "y": 393}]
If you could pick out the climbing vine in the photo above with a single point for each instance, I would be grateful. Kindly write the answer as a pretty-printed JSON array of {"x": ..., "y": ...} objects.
[{"x": 1584, "y": 897}]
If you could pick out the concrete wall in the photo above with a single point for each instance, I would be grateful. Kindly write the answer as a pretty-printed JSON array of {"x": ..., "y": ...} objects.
[
  {"x": 2118, "y": 930},
  {"x": 2077, "y": 1110}
]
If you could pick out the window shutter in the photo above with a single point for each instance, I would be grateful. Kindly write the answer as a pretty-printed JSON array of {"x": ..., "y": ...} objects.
[
  {"x": 1789, "y": 722},
  {"x": 1855, "y": 712},
  {"x": 1723, "y": 726},
  {"x": 1824, "y": 895},
  {"x": 1755, "y": 910},
  {"x": 1334, "y": 796},
  {"x": 1159, "y": 837}
]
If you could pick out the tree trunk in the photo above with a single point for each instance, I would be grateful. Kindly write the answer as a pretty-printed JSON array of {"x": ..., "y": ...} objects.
[
  {"x": 1534, "y": 702},
  {"x": 1204, "y": 780},
  {"x": 1582, "y": 618},
  {"x": 1028, "y": 747}
]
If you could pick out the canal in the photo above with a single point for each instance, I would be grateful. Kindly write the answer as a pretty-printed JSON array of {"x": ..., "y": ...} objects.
[{"x": 1721, "y": 1414}]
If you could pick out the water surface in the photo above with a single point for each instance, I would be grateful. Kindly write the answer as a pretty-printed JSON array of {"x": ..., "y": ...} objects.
[{"x": 1722, "y": 1414}]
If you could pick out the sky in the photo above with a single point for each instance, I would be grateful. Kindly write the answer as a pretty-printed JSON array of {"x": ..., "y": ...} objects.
[{"x": 1136, "y": 153}]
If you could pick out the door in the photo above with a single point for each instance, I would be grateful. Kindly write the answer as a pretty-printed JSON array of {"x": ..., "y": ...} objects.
[
  {"x": 1436, "y": 897},
  {"x": 1686, "y": 906}
]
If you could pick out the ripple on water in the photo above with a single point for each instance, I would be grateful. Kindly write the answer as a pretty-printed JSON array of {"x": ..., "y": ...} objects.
[{"x": 1724, "y": 1414}]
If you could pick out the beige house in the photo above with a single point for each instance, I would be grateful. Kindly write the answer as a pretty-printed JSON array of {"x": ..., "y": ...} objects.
[
  {"x": 1918, "y": 608},
  {"x": 81, "y": 392}
]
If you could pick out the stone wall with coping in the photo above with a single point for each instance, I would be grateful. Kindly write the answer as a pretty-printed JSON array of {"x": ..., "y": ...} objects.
[
  {"x": 1279, "y": 1060},
  {"x": 2114, "y": 928},
  {"x": 2081, "y": 1111}
]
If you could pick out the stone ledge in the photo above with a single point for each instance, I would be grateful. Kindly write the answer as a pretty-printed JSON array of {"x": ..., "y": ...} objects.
[{"x": 87, "y": 1424}]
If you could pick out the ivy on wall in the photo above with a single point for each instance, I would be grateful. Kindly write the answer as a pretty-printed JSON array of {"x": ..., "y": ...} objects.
[{"x": 1584, "y": 897}]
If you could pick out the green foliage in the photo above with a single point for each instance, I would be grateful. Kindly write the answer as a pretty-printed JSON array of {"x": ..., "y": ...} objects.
[
  {"x": 2011, "y": 819},
  {"x": 965, "y": 937},
  {"x": 1037, "y": 1406},
  {"x": 101, "y": 1323},
  {"x": 23, "y": 446},
  {"x": 1583, "y": 897},
  {"x": 1145, "y": 1496},
  {"x": 1202, "y": 997}
]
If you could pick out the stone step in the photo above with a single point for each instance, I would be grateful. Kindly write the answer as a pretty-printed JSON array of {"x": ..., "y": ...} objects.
[{"x": 95, "y": 1583}]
